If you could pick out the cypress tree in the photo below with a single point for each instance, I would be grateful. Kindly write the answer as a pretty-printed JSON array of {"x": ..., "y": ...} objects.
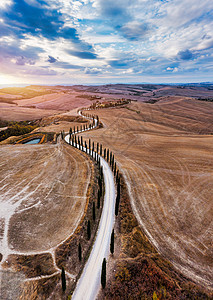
[
  {"x": 74, "y": 129},
  {"x": 100, "y": 184},
  {"x": 77, "y": 128},
  {"x": 79, "y": 252},
  {"x": 107, "y": 155},
  {"x": 118, "y": 188},
  {"x": 103, "y": 274},
  {"x": 117, "y": 198},
  {"x": 104, "y": 153},
  {"x": 115, "y": 166},
  {"x": 88, "y": 230},
  {"x": 112, "y": 242},
  {"x": 99, "y": 199},
  {"x": 117, "y": 204},
  {"x": 113, "y": 159},
  {"x": 110, "y": 160},
  {"x": 100, "y": 149},
  {"x": 97, "y": 147},
  {"x": 93, "y": 211},
  {"x": 117, "y": 176},
  {"x": 63, "y": 279},
  {"x": 89, "y": 145},
  {"x": 102, "y": 174}
]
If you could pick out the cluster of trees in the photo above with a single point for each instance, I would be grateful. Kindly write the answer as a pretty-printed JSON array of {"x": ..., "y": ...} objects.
[
  {"x": 108, "y": 104},
  {"x": 16, "y": 129},
  {"x": 209, "y": 99}
]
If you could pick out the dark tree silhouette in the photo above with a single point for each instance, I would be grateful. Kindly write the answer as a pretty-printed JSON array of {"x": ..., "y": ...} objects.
[
  {"x": 88, "y": 230},
  {"x": 93, "y": 211},
  {"x": 99, "y": 200},
  {"x": 89, "y": 146},
  {"x": 100, "y": 184},
  {"x": 117, "y": 201},
  {"x": 115, "y": 166},
  {"x": 113, "y": 159},
  {"x": 63, "y": 279},
  {"x": 107, "y": 155},
  {"x": 79, "y": 252},
  {"x": 112, "y": 242},
  {"x": 103, "y": 274}
]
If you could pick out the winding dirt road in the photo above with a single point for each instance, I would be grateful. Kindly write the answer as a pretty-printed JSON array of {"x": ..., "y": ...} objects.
[{"x": 90, "y": 281}]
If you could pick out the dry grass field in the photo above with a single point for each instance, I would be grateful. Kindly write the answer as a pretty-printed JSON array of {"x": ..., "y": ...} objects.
[
  {"x": 43, "y": 196},
  {"x": 45, "y": 193},
  {"x": 165, "y": 153}
]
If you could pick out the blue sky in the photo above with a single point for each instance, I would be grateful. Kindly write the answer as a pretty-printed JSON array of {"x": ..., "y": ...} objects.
[{"x": 105, "y": 41}]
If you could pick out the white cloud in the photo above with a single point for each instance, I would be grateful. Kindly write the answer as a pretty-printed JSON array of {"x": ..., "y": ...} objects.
[{"x": 5, "y": 3}]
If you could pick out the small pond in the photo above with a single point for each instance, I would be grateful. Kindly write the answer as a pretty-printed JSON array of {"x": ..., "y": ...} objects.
[{"x": 33, "y": 141}]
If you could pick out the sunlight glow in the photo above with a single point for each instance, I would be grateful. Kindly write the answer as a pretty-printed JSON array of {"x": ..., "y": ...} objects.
[{"x": 7, "y": 79}]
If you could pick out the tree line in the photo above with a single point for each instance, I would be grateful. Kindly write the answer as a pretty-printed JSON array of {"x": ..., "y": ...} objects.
[{"x": 96, "y": 151}]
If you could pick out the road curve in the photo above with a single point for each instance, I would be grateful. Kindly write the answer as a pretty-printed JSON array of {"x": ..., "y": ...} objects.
[{"x": 90, "y": 281}]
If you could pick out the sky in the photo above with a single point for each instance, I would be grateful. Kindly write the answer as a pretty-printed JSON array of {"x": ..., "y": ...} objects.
[{"x": 105, "y": 41}]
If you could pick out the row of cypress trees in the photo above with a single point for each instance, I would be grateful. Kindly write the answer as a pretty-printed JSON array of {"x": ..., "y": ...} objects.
[{"x": 109, "y": 156}]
